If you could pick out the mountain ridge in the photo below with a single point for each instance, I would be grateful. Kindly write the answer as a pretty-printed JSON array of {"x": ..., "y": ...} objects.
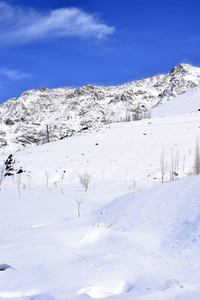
[{"x": 64, "y": 111}]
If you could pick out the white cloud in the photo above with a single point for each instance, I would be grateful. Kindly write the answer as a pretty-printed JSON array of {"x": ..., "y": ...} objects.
[
  {"x": 22, "y": 25},
  {"x": 12, "y": 74}
]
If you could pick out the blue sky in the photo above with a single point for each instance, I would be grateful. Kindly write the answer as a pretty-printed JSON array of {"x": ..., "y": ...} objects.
[{"x": 52, "y": 43}]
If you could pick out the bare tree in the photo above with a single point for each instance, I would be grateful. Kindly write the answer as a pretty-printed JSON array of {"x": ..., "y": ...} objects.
[
  {"x": 197, "y": 159},
  {"x": 174, "y": 171},
  {"x": 19, "y": 184},
  {"x": 62, "y": 176},
  {"x": 85, "y": 179},
  {"x": 79, "y": 202},
  {"x": 183, "y": 167},
  {"x": 47, "y": 177},
  {"x": 29, "y": 183},
  {"x": 55, "y": 184},
  {"x": 47, "y": 133},
  {"x": 147, "y": 114},
  {"x": 163, "y": 166},
  {"x": 172, "y": 167},
  {"x": 1, "y": 177},
  {"x": 137, "y": 116}
]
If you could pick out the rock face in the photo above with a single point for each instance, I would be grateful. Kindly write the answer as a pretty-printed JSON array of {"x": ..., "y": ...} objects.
[{"x": 37, "y": 116}]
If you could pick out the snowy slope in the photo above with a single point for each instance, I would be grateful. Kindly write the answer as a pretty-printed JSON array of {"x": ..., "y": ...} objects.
[
  {"x": 128, "y": 151},
  {"x": 145, "y": 245},
  {"x": 188, "y": 102},
  {"x": 136, "y": 238},
  {"x": 66, "y": 111}
]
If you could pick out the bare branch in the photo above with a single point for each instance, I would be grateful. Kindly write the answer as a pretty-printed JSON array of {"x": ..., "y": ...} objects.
[{"x": 85, "y": 179}]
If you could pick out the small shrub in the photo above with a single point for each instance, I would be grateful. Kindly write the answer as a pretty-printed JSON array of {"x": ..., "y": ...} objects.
[
  {"x": 85, "y": 179},
  {"x": 172, "y": 283}
]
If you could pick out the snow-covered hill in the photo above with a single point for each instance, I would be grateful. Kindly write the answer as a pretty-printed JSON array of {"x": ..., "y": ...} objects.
[
  {"x": 130, "y": 236},
  {"x": 40, "y": 115}
]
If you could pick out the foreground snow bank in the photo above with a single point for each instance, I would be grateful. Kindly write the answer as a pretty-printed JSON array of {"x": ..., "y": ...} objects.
[{"x": 143, "y": 245}]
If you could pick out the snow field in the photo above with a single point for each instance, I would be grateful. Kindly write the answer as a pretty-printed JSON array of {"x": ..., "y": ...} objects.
[{"x": 136, "y": 238}]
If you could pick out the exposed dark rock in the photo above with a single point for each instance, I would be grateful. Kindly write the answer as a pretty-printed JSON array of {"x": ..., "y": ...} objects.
[
  {"x": 27, "y": 139},
  {"x": 2, "y": 133},
  {"x": 4, "y": 267},
  {"x": 9, "y": 122},
  {"x": 9, "y": 163},
  {"x": 20, "y": 171},
  {"x": 43, "y": 89},
  {"x": 3, "y": 142}
]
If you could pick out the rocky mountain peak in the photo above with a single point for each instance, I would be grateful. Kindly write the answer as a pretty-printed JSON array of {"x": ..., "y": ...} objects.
[{"x": 183, "y": 69}]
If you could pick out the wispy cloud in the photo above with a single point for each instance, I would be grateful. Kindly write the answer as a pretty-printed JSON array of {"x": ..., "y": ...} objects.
[
  {"x": 13, "y": 74},
  {"x": 23, "y": 25}
]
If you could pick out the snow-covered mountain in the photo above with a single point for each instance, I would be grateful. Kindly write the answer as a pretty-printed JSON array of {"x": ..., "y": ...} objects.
[
  {"x": 135, "y": 233},
  {"x": 51, "y": 114}
]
